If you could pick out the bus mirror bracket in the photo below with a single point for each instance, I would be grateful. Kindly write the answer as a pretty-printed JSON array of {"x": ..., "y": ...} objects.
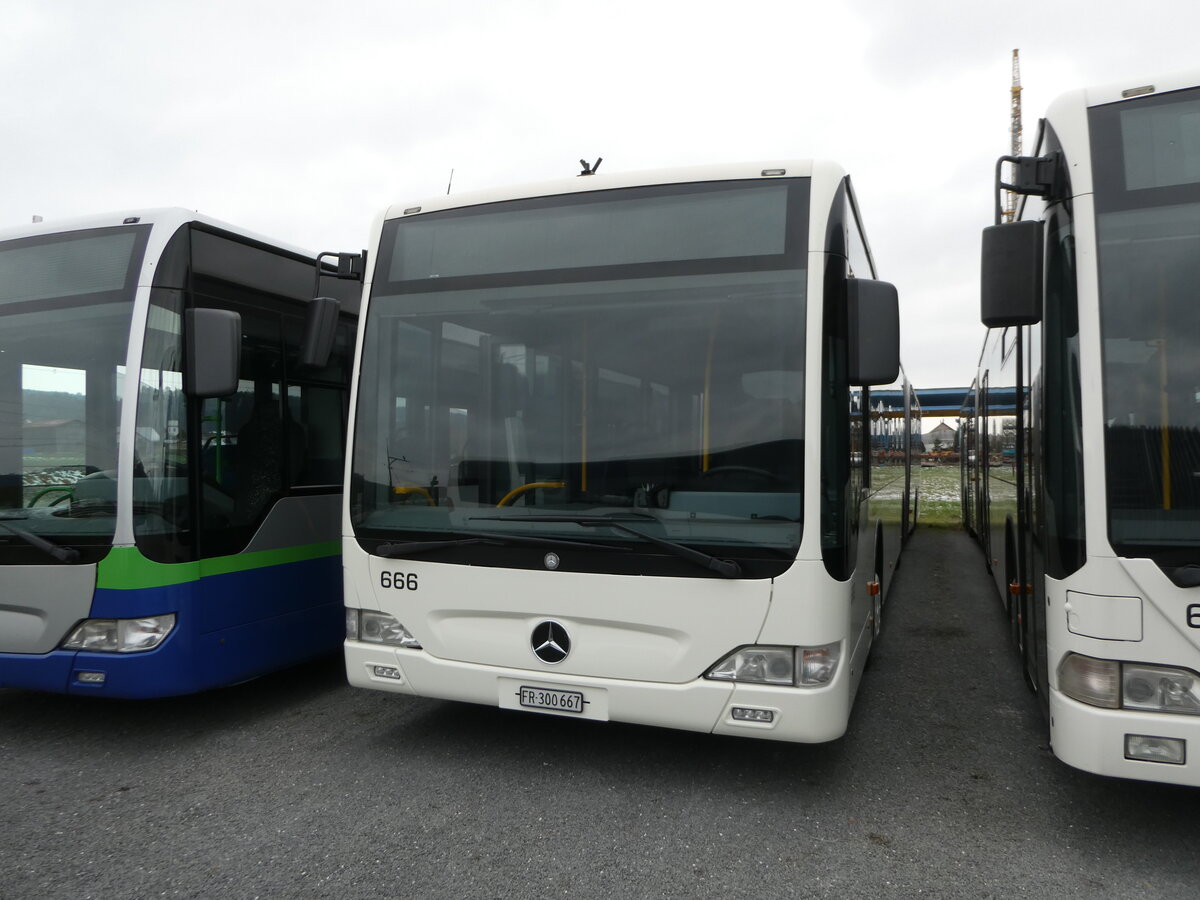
[
  {"x": 213, "y": 350},
  {"x": 349, "y": 267},
  {"x": 874, "y": 320},
  {"x": 1010, "y": 290},
  {"x": 1034, "y": 176},
  {"x": 320, "y": 327}
]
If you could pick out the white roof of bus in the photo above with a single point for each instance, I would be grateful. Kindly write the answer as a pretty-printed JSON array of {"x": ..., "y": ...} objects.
[
  {"x": 169, "y": 217},
  {"x": 1159, "y": 84},
  {"x": 606, "y": 181}
]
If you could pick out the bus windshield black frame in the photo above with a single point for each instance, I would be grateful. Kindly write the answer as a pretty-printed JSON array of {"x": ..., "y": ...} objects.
[
  {"x": 639, "y": 352},
  {"x": 1146, "y": 172}
]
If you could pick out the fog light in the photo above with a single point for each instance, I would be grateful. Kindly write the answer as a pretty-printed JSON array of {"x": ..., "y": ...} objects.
[
  {"x": 747, "y": 714},
  {"x": 1148, "y": 748},
  {"x": 90, "y": 677},
  {"x": 387, "y": 672}
]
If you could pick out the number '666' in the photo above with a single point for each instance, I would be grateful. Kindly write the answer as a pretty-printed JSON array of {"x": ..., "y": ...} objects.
[
  {"x": 1193, "y": 615},
  {"x": 408, "y": 582}
]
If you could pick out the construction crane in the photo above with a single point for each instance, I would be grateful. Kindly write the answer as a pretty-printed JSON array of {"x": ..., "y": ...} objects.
[{"x": 1010, "y": 198}]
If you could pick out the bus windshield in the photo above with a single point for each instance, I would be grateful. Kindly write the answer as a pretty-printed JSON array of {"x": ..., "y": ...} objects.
[
  {"x": 65, "y": 307},
  {"x": 1146, "y": 156},
  {"x": 639, "y": 354}
]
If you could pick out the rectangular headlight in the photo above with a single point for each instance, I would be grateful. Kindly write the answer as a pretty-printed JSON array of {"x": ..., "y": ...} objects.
[
  {"x": 758, "y": 665},
  {"x": 99, "y": 635},
  {"x": 1160, "y": 689},
  {"x": 818, "y": 665},
  {"x": 380, "y": 628},
  {"x": 143, "y": 634},
  {"x": 783, "y": 666},
  {"x": 120, "y": 635},
  {"x": 1096, "y": 682}
]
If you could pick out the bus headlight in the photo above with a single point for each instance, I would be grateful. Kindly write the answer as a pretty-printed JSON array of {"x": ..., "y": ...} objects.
[
  {"x": 120, "y": 635},
  {"x": 380, "y": 628},
  {"x": 1096, "y": 682},
  {"x": 1110, "y": 684},
  {"x": 1160, "y": 689},
  {"x": 785, "y": 666},
  {"x": 818, "y": 665}
]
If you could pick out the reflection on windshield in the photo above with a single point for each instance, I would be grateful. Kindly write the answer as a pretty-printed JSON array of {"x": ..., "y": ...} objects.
[
  {"x": 678, "y": 397},
  {"x": 1150, "y": 265},
  {"x": 64, "y": 325},
  {"x": 60, "y": 387}
]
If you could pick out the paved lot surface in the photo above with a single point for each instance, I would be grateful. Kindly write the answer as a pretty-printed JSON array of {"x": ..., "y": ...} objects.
[{"x": 298, "y": 786}]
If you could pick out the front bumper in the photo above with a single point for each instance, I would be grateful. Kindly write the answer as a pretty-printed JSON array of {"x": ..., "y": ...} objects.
[
  {"x": 805, "y": 715},
  {"x": 1093, "y": 739}
]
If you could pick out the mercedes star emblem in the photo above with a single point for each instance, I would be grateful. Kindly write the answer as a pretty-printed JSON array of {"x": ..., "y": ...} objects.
[{"x": 550, "y": 642}]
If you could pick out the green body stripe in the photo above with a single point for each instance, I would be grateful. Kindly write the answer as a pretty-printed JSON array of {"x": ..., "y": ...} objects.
[{"x": 126, "y": 569}]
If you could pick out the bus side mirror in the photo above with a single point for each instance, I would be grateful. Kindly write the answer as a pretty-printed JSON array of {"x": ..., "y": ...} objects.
[
  {"x": 1010, "y": 289},
  {"x": 213, "y": 344},
  {"x": 874, "y": 319},
  {"x": 320, "y": 327}
]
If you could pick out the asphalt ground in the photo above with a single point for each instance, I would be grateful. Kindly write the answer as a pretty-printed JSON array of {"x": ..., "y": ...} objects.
[{"x": 296, "y": 785}]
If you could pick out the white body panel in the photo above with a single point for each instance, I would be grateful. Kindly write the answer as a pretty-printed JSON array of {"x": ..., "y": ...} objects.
[
  {"x": 653, "y": 638},
  {"x": 1094, "y": 739}
]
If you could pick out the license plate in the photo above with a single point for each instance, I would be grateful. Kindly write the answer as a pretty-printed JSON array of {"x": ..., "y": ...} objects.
[{"x": 550, "y": 698}]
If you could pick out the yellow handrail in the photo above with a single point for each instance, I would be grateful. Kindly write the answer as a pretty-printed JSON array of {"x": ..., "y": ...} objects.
[
  {"x": 532, "y": 486},
  {"x": 403, "y": 491}
]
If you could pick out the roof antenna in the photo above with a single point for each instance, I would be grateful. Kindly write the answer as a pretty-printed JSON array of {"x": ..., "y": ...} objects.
[
  {"x": 450, "y": 182},
  {"x": 590, "y": 170}
]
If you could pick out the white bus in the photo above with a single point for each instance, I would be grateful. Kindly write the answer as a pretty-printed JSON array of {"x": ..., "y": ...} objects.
[
  {"x": 609, "y": 457},
  {"x": 1084, "y": 428}
]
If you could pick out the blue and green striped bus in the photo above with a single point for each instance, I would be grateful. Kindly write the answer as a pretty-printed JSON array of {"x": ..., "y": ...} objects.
[{"x": 172, "y": 418}]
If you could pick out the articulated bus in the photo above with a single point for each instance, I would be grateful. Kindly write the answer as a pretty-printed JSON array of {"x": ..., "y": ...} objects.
[
  {"x": 173, "y": 405},
  {"x": 1082, "y": 479},
  {"x": 611, "y": 457}
]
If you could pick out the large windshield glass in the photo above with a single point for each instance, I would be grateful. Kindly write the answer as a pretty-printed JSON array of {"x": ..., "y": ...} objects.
[
  {"x": 1146, "y": 157},
  {"x": 65, "y": 303},
  {"x": 635, "y": 354}
]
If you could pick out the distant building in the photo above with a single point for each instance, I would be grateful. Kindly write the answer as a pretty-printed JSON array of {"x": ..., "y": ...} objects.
[{"x": 940, "y": 438}]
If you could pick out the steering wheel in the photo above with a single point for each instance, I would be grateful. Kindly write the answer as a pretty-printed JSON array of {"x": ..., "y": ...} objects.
[{"x": 67, "y": 492}]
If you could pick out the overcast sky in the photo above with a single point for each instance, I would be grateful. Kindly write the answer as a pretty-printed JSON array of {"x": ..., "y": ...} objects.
[{"x": 302, "y": 120}]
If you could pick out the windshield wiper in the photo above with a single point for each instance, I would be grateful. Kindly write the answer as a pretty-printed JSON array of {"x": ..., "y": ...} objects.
[
  {"x": 62, "y": 554},
  {"x": 417, "y": 548},
  {"x": 726, "y": 568}
]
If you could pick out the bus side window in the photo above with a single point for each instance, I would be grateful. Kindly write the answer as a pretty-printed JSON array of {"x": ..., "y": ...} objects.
[
  {"x": 316, "y": 410},
  {"x": 243, "y": 450}
]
